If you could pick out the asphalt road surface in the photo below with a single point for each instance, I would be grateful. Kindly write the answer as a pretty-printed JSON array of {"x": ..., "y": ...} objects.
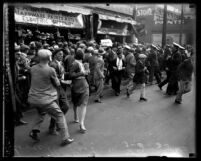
[{"x": 120, "y": 127}]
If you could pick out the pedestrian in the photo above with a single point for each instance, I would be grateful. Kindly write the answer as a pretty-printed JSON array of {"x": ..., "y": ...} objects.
[
  {"x": 99, "y": 75},
  {"x": 80, "y": 89},
  {"x": 140, "y": 76},
  {"x": 154, "y": 65},
  {"x": 175, "y": 60},
  {"x": 63, "y": 103},
  {"x": 43, "y": 96},
  {"x": 130, "y": 62},
  {"x": 19, "y": 94},
  {"x": 185, "y": 71},
  {"x": 166, "y": 66},
  {"x": 118, "y": 66},
  {"x": 109, "y": 56}
]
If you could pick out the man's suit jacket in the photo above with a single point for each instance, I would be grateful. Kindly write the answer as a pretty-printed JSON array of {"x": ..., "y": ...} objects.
[
  {"x": 59, "y": 70},
  {"x": 114, "y": 64}
]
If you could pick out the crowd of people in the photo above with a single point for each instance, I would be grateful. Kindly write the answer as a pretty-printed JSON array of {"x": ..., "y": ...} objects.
[{"x": 44, "y": 71}]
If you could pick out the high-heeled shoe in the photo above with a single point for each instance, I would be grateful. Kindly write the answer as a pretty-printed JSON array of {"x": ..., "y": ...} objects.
[{"x": 82, "y": 130}]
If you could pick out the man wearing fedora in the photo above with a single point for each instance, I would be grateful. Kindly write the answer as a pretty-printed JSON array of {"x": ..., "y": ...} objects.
[{"x": 57, "y": 64}]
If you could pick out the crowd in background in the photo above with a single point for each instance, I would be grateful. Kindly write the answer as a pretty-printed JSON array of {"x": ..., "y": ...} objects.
[{"x": 86, "y": 67}]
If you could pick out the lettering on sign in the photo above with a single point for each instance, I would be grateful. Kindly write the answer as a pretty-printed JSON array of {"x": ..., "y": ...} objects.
[
  {"x": 172, "y": 18},
  {"x": 144, "y": 12},
  {"x": 25, "y": 15}
]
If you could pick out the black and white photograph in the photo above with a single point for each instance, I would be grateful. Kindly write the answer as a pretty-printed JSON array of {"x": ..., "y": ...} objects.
[{"x": 99, "y": 80}]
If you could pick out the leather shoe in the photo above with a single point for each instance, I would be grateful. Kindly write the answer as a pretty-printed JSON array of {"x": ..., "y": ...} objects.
[
  {"x": 98, "y": 101},
  {"x": 160, "y": 87},
  {"x": 143, "y": 99},
  {"x": 82, "y": 130},
  {"x": 33, "y": 134},
  {"x": 177, "y": 102},
  {"x": 127, "y": 93},
  {"x": 53, "y": 132},
  {"x": 67, "y": 141}
]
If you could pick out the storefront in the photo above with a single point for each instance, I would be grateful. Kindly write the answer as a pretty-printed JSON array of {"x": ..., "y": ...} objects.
[
  {"x": 151, "y": 18},
  {"x": 117, "y": 29},
  {"x": 50, "y": 23}
]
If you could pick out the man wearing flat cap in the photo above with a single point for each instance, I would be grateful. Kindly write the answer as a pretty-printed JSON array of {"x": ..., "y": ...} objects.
[
  {"x": 130, "y": 62},
  {"x": 154, "y": 64},
  {"x": 43, "y": 96}
]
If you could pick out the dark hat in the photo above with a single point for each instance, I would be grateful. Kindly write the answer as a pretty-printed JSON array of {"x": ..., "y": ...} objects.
[
  {"x": 56, "y": 51},
  {"x": 101, "y": 51},
  {"x": 51, "y": 48},
  {"x": 79, "y": 55}
]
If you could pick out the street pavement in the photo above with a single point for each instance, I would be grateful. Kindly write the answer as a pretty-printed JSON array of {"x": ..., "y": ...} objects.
[{"x": 120, "y": 127}]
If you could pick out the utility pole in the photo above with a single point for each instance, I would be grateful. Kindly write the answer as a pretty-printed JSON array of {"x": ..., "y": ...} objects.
[
  {"x": 164, "y": 25},
  {"x": 181, "y": 24}
]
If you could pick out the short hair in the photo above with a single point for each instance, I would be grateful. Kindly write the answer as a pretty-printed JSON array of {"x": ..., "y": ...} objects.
[
  {"x": 79, "y": 55},
  {"x": 44, "y": 54}
]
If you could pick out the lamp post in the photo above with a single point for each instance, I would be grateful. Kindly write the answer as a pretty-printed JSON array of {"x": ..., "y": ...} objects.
[
  {"x": 181, "y": 24},
  {"x": 164, "y": 25}
]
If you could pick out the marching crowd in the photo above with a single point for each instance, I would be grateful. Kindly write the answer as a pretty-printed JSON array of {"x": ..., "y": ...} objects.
[{"x": 44, "y": 71}]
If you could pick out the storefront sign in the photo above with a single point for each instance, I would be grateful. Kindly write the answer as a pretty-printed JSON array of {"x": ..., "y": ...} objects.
[
  {"x": 36, "y": 16},
  {"x": 106, "y": 42},
  {"x": 111, "y": 31},
  {"x": 144, "y": 12},
  {"x": 172, "y": 18}
]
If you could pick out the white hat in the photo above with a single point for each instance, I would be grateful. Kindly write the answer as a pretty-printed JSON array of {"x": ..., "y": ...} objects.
[
  {"x": 154, "y": 46},
  {"x": 56, "y": 47},
  {"x": 142, "y": 56},
  {"x": 90, "y": 48},
  {"x": 179, "y": 46},
  {"x": 127, "y": 47}
]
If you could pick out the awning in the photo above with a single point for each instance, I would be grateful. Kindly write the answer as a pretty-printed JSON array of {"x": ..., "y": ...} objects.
[
  {"x": 118, "y": 19},
  {"x": 40, "y": 16},
  {"x": 62, "y": 7},
  {"x": 110, "y": 31}
]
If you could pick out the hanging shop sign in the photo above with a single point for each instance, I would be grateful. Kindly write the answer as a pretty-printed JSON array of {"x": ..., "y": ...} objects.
[
  {"x": 40, "y": 17},
  {"x": 106, "y": 42}
]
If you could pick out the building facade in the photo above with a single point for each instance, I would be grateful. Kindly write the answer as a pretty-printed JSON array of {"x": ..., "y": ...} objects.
[{"x": 151, "y": 18}]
